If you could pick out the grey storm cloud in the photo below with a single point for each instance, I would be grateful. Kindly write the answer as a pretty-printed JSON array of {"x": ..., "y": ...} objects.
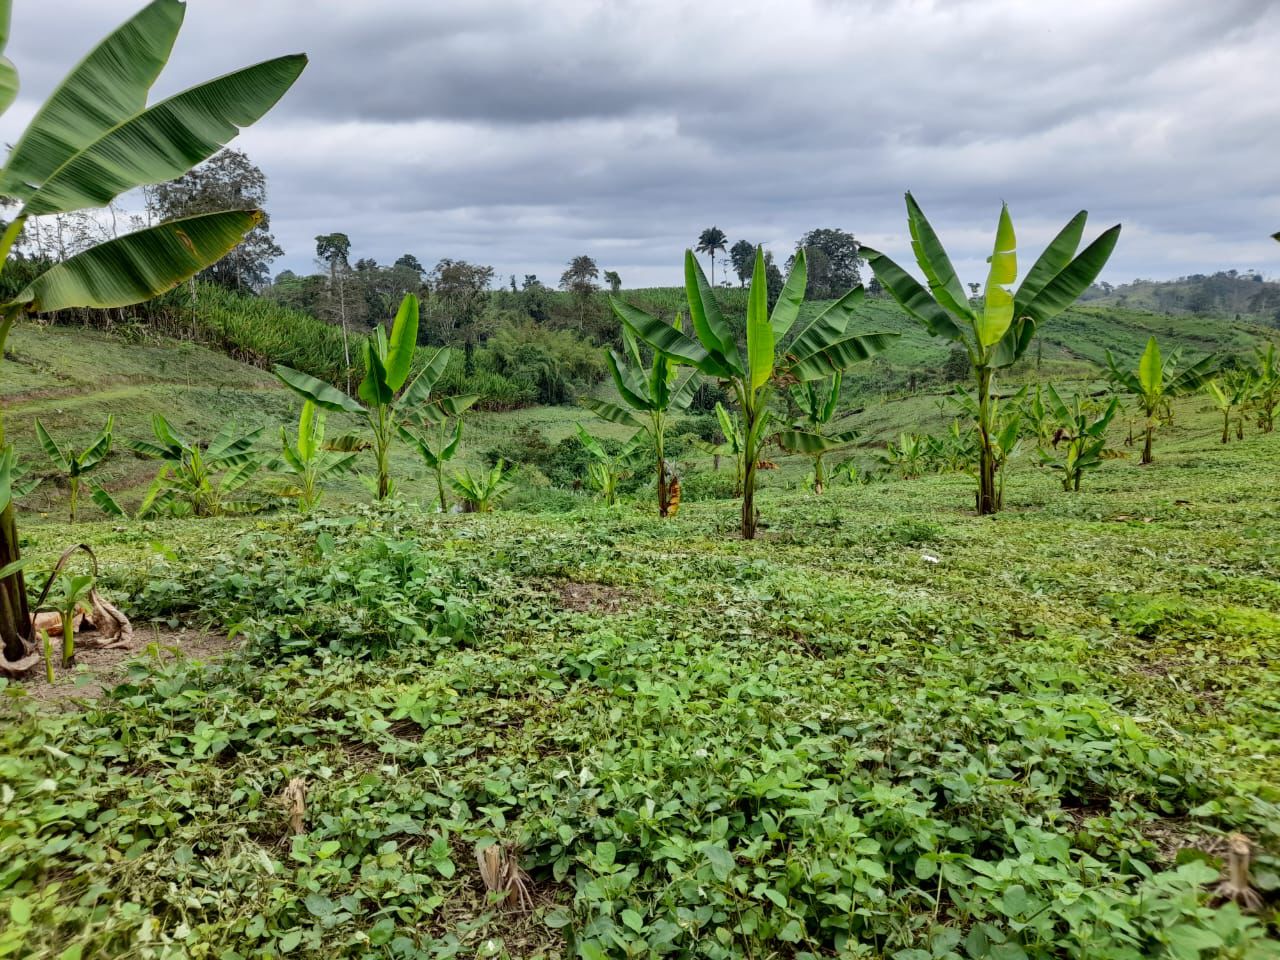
[{"x": 520, "y": 134}]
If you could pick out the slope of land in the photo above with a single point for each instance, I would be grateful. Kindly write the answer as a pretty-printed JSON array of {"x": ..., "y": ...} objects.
[{"x": 888, "y": 728}]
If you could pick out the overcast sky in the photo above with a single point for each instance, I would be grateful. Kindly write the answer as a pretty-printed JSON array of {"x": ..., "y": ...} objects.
[{"x": 520, "y": 133}]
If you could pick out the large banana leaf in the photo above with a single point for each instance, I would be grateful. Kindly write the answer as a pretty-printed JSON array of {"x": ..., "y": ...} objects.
[
  {"x": 105, "y": 88},
  {"x": 612, "y": 412},
  {"x": 787, "y": 309},
  {"x": 1151, "y": 369},
  {"x": 1063, "y": 290},
  {"x": 1194, "y": 376},
  {"x": 666, "y": 338},
  {"x": 374, "y": 389},
  {"x": 139, "y": 265},
  {"x": 8, "y": 72},
  {"x": 404, "y": 340},
  {"x": 631, "y": 391},
  {"x": 51, "y": 448},
  {"x": 760, "y": 342},
  {"x": 166, "y": 140},
  {"x": 804, "y": 441},
  {"x": 912, "y": 297},
  {"x": 828, "y": 326},
  {"x": 1055, "y": 258},
  {"x": 996, "y": 315},
  {"x": 419, "y": 389},
  {"x": 317, "y": 391},
  {"x": 834, "y": 357},
  {"x": 704, "y": 311},
  {"x": 935, "y": 263}
]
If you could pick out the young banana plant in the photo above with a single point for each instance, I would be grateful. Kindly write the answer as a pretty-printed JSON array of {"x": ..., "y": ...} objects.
[
  {"x": 435, "y": 416},
  {"x": 817, "y": 400},
  {"x": 202, "y": 479},
  {"x": 75, "y": 466},
  {"x": 909, "y": 455},
  {"x": 824, "y": 346},
  {"x": 1230, "y": 393},
  {"x": 653, "y": 393},
  {"x": 1080, "y": 435},
  {"x": 1266, "y": 392},
  {"x": 386, "y": 402},
  {"x": 481, "y": 492},
  {"x": 607, "y": 469},
  {"x": 72, "y": 597},
  {"x": 1156, "y": 383},
  {"x": 997, "y": 331},
  {"x": 94, "y": 139},
  {"x": 306, "y": 461}
]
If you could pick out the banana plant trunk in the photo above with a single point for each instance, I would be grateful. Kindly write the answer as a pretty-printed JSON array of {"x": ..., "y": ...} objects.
[
  {"x": 664, "y": 486},
  {"x": 15, "y": 616},
  {"x": 750, "y": 460},
  {"x": 1146, "y": 443},
  {"x": 749, "y": 515},
  {"x": 1226, "y": 426},
  {"x": 988, "y": 492}
]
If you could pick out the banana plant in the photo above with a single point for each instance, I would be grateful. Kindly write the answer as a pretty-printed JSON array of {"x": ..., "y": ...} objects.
[
  {"x": 204, "y": 480},
  {"x": 1157, "y": 382},
  {"x": 1080, "y": 433},
  {"x": 72, "y": 597},
  {"x": 823, "y": 347},
  {"x": 481, "y": 492},
  {"x": 997, "y": 330},
  {"x": 436, "y": 416},
  {"x": 1230, "y": 393},
  {"x": 607, "y": 470},
  {"x": 307, "y": 461},
  {"x": 652, "y": 392},
  {"x": 75, "y": 466},
  {"x": 817, "y": 400},
  {"x": 386, "y": 402},
  {"x": 909, "y": 455},
  {"x": 1266, "y": 393},
  {"x": 94, "y": 139}
]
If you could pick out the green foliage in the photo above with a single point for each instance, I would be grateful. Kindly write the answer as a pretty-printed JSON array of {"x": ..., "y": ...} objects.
[
  {"x": 75, "y": 466},
  {"x": 1230, "y": 391},
  {"x": 388, "y": 397},
  {"x": 997, "y": 332},
  {"x": 699, "y": 750},
  {"x": 1079, "y": 441},
  {"x": 1155, "y": 382},
  {"x": 1266, "y": 394},
  {"x": 652, "y": 392},
  {"x": 306, "y": 461},
  {"x": 437, "y": 416},
  {"x": 606, "y": 471},
  {"x": 69, "y": 595},
  {"x": 201, "y": 480},
  {"x": 823, "y": 347},
  {"x": 818, "y": 402},
  {"x": 483, "y": 490},
  {"x": 94, "y": 139}
]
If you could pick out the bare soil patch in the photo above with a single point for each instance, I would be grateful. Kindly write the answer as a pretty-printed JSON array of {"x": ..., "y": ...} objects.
[
  {"x": 592, "y": 597},
  {"x": 96, "y": 671}
]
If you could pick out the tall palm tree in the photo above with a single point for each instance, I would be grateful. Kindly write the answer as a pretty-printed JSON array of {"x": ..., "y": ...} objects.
[{"x": 712, "y": 241}]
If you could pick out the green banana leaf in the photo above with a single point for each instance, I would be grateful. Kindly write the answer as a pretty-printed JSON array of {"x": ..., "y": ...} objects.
[
  {"x": 166, "y": 140},
  {"x": 139, "y": 265},
  {"x": 106, "y": 88}
]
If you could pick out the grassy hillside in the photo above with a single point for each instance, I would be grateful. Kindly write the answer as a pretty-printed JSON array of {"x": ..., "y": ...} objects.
[{"x": 73, "y": 377}]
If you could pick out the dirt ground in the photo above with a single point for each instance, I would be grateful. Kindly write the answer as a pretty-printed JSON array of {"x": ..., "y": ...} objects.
[{"x": 95, "y": 671}]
